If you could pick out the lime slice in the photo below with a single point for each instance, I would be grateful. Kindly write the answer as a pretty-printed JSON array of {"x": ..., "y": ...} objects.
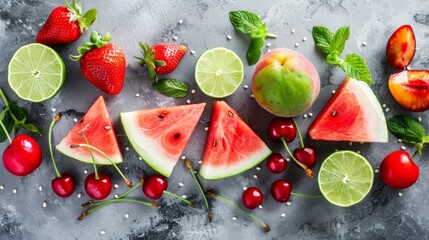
[
  {"x": 36, "y": 72},
  {"x": 219, "y": 72},
  {"x": 345, "y": 178}
]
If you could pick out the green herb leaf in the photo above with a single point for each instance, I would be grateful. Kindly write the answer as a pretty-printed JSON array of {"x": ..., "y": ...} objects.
[
  {"x": 32, "y": 128},
  {"x": 323, "y": 38},
  {"x": 254, "y": 52},
  {"x": 248, "y": 23},
  {"x": 354, "y": 66},
  {"x": 406, "y": 128},
  {"x": 333, "y": 59},
  {"x": 338, "y": 42},
  {"x": 7, "y": 122},
  {"x": 171, "y": 87}
]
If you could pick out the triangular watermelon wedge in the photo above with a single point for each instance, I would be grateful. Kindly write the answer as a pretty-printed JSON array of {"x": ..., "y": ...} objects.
[
  {"x": 232, "y": 147},
  {"x": 98, "y": 129},
  {"x": 160, "y": 135},
  {"x": 353, "y": 114}
]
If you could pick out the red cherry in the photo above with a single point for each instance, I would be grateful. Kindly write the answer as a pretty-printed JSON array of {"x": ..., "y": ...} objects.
[
  {"x": 252, "y": 197},
  {"x": 282, "y": 127},
  {"x": 306, "y": 155},
  {"x": 398, "y": 170},
  {"x": 98, "y": 188},
  {"x": 63, "y": 186},
  {"x": 154, "y": 186},
  {"x": 280, "y": 190},
  {"x": 22, "y": 156},
  {"x": 276, "y": 163}
]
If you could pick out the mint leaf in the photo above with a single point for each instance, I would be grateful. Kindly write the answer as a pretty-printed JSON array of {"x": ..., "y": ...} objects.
[
  {"x": 32, "y": 128},
  {"x": 171, "y": 87},
  {"x": 338, "y": 42},
  {"x": 333, "y": 59},
  {"x": 7, "y": 122},
  {"x": 248, "y": 23},
  {"x": 254, "y": 52},
  {"x": 323, "y": 38},
  {"x": 355, "y": 67},
  {"x": 406, "y": 128}
]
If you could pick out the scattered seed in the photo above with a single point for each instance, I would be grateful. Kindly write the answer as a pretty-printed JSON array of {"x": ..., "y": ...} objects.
[
  {"x": 192, "y": 52},
  {"x": 137, "y": 94},
  {"x": 127, "y": 148},
  {"x": 85, "y": 171},
  {"x": 296, "y": 44},
  {"x": 79, "y": 195},
  {"x": 230, "y": 114},
  {"x": 384, "y": 105},
  {"x": 304, "y": 39},
  {"x": 181, "y": 184},
  {"x": 234, "y": 218},
  {"x": 245, "y": 87},
  {"x": 333, "y": 91},
  {"x": 102, "y": 232},
  {"x": 75, "y": 120},
  {"x": 288, "y": 159},
  {"x": 399, "y": 140},
  {"x": 188, "y": 101},
  {"x": 258, "y": 168},
  {"x": 334, "y": 113},
  {"x": 116, "y": 196},
  {"x": 293, "y": 30},
  {"x": 180, "y": 21},
  {"x": 288, "y": 203},
  {"x": 14, "y": 190},
  {"x": 127, "y": 215},
  {"x": 175, "y": 38},
  {"x": 1, "y": 187},
  {"x": 183, "y": 157},
  {"x": 228, "y": 37},
  {"x": 107, "y": 127},
  {"x": 244, "y": 188},
  {"x": 400, "y": 194},
  {"x": 387, "y": 109},
  {"x": 184, "y": 196},
  {"x": 116, "y": 185},
  {"x": 40, "y": 188},
  {"x": 403, "y": 147},
  {"x": 310, "y": 114},
  {"x": 305, "y": 116},
  {"x": 255, "y": 176},
  {"x": 206, "y": 128},
  {"x": 193, "y": 91},
  {"x": 420, "y": 119},
  {"x": 376, "y": 170},
  {"x": 268, "y": 45},
  {"x": 199, "y": 162},
  {"x": 260, "y": 206},
  {"x": 283, "y": 215},
  {"x": 44, "y": 204},
  {"x": 54, "y": 109},
  {"x": 364, "y": 44}
]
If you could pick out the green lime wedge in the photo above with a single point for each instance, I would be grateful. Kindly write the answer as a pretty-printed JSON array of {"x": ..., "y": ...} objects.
[
  {"x": 219, "y": 72},
  {"x": 345, "y": 178},
  {"x": 36, "y": 72}
]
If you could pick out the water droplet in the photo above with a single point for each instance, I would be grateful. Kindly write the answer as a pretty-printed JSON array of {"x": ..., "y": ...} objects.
[
  {"x": 199, "y": 162},
  {"x": 408, "y": 68},
  {"x": 252, "y": 96},
  {"x": 419, "y": 118},
  {"x": 127, "y": 148},
  {"x": 140, "y": 158},
  {"x": 293, "y": 30},
  {"x": 296, "y": 44},
  {"x": 288, "y": 159},
  {"x": 234, "y": 218},
  {"x": 384, "y": 105},
  {"x": 304, "y": 39},
  {"x": 350, "y": 143}
]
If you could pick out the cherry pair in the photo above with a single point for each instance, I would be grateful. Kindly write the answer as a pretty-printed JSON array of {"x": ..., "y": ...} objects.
[{"x": 285, "y": 130}]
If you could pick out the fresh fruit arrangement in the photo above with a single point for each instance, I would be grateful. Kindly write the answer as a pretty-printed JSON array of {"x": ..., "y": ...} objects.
[{"x": 285, "y": 83}]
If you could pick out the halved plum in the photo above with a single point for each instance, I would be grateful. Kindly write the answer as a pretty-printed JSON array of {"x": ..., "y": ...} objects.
[
  {"x": 411, "y": 89},
  {"x": 401, "y": 47}
]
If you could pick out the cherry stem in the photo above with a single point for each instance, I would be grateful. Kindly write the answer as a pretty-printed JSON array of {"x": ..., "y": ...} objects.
[
  {"x": 306, "y": 169},
  {"x": 92, "y": 157},
  {"x": 127, "y": 182},
  {"x": 178, "y": 197},
  {"x": 87, "y": 212},
  {"x": 214, "y": 195},
  {"x": 51, "y": 126},
  {"x": 306, "y": 195},
  {"x": 191, "y": 169},
  {"x": 299, "y": 133},
  {"x": 5, "y": 132}
]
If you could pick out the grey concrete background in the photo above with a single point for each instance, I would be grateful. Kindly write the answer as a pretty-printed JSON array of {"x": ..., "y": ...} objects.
[{"x": 384, "y": 214}]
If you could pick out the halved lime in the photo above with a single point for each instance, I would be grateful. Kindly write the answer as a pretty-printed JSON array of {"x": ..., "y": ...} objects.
[
  {"x": 36, "y": 72},
  {"x": 219, "y": 72},
  {"x": 345, "y": 178}
]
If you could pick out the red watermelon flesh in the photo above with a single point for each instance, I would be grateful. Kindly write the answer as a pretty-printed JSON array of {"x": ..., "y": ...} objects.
[
  {"x": 160, "y": 135},
  {"x": 353, "y": 114},
  {"x": 98, "y": 129},
  {"x": 232, "y": 147}
]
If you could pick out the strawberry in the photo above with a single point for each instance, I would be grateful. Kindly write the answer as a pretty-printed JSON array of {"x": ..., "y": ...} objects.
[
  {"x": 102, "y": 63},
  {"x": 401, "y": 47},
  {"x": 65, "y": 24},
  {"x": 161, "y": 58}
]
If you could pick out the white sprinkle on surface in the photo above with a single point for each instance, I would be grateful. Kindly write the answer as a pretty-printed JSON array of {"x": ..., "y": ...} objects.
[
  {"x": 387, "y": 109},
  {"x": 420, "y": 119},
  {"x": 193, "y": 91},
  {"x": 268, "y": 44},
  {"x": 116, "y": 196},
  {"x": 184, "y": 196},
  {"x": 364, "y": 44},
  {"x": 192, "y": 52},
  {"x": 127, "y": 148},
  {"x": 252, "y": 96},
  {"x": 408, "y": 68},
  {"x": 293, "y": 30},
  {"x": 255, "y": 176},
  {"x": 244, "y": 188},
  {"x": 310, "y": 114},
  {"x": 283, "y": 215},
  {"x": 400, "y": 194},
  {"x": 188, "y": 101},
  {"x": 260, "y": 206},
  {"x": 175, "y": 38},
  {"x": 14, "y": 190},
  {"x": 79, "y": 195},
  {"x": 183, "y": 157},
  {"x": 180, "y": 21},
  {"x": 384, "y": 105},
  {"x": 234, "y": 218},
  {"x": 199, "y": 162},
  {"x": 44, "y": 204},
  {"x": 288, "y": 203},
  {"x": 137, "y": 94},
  {"x": 258, "y": 168},
  {"x": 85, "y": 171},
  {"x": 288, "y": 159},
  {"x": 304, "y": 39},
  {"x": 116, "y": 185},
  {"x": 403, "y": 147},
  {"x": 305, "y": 116},
  {"x": 181, "y": 184},
  {"x": 140, "y": 158},
  {"x": 350, "y": 143},
  {"x": 333, "y": 91},
  {"x": 399, "y": 140},
  {"x": 245, "y": 87},
  {"x": 102, "y": 232},
  {"x": 74, "y": 119},
  {"x": 228, "y": 37},
  {"x": 54, "y": 109},
  {"x": 376, "y": 171},
  {"x": 127, "y": 215},
  {"x": 206, "y": 128},
  {"x": 1, "y": 187},
  {"x": 40, "y": 188},
  {"x": 296, "y": 44}
]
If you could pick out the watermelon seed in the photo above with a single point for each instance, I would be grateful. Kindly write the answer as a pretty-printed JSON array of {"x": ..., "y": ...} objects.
[
  {"x": 160, "y": 116},
  {"x": 334, "y": 113},
  {"x": 177, "y": 135},
  {"x": 81, "y": 121},
  {"x": 230, "y": 114},
  {"x": 107, "y": 127},
  {"x": 214, "y": 143}
]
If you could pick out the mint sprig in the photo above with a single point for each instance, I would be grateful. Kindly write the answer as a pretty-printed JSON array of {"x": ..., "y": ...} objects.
[
  {"x": 252, "y": 25},
  {"x": 171, "y": 87},
  {"x": 409, "y": 130},
  {"x": 333, "y": 45}
]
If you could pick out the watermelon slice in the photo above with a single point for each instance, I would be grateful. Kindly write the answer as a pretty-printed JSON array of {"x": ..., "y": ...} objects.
[
  {"x": 232, "y": 147},
  {"x": 160, "y": 135},
  {"x": 353, "y": 114},
  {"x": 98, "y": 129}
]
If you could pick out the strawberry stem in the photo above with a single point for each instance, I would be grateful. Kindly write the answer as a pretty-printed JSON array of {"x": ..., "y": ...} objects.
[
  {"x": 306, "y": 169},
  {"x": 214, "y": 195},
  {"x": 306, "y": 195},
  {"x": 178, "y": 197},
  {"x": 299, "y": 133},
  {"x": 189, "y": 166},
  {"x": 51, "y": 126},
  {"x": 96, "y": 41},
  {"x": 92, "y": 157},
  {"x": 127, "y": 182}
]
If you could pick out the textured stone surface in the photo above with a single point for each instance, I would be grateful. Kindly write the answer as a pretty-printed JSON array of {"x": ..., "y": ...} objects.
[{"x": 384, "y": 214}]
